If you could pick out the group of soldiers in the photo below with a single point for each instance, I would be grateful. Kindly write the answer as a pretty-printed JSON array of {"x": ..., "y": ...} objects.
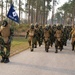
[
  {"x": 37, "y": 34},
  {"x": 6, "y": 34},
  {"x": 56, "y": 34}
]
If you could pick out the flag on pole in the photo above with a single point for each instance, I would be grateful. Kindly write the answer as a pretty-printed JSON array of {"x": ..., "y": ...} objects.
[{"x": 12, "y": 14}]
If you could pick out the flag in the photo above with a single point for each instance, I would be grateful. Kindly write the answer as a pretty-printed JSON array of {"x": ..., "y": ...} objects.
[{"x": 12, "y": 14}]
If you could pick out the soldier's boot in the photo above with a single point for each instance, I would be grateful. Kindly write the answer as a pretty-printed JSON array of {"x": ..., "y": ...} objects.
[
  {"x": 65, "y": 43},
  {"x": 56, "y": 51},
  {"x": 72, "y": 47},
  {"x": 35, "y": 45},
  {"x": 3, "y": 58},
  {"x": 39, "y": 43},
  {"x": 46, "y": 48},
  {"x": 32, "y": 50},
  {"x": 51, "y": 44},
  {"x": 61, "y": 47},
  {"x": 6, "y": 60}
]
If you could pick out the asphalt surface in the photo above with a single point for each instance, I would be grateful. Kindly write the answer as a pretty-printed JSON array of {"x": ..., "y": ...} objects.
[{"x": 40, "y": 62}]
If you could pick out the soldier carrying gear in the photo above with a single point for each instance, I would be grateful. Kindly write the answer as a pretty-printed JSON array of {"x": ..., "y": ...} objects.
[
  {"x": 31, "y": 37},
  {"x": 58, "y": 40},
  {"x": 37, "y": 35},
  {"x": 6, "y": 35},
  {"x": 41, "y": 34},
  {"x": 46, "y": 37},
  {"x": 51, "y": 35}
]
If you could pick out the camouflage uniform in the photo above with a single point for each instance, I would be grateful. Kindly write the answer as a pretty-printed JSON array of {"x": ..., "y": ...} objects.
[
  {"x": 6, "y": 35},
  {"x": 46, "y": 38},
  {"x": 37, "y": 35},
  {"x": 31, "y": 37},
  {"x": 41, "y": 34},
  {"x": 65, "y": 36},
  {"x": 58, "y": 40},
  {"x": 73, "y": 38},
  {"x": 51, "y": 36}
]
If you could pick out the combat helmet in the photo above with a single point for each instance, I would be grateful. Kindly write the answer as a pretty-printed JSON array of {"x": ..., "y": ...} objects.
[
  {"x": 32, "y": 26},
  {"x": 36, "y": 25},
  {"x": 46, "y": 27},
  {"x": 5, "y": 23}
]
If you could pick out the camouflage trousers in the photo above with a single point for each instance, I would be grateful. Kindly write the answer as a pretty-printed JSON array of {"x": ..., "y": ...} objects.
[
  {"x": 5, "y": 50},
  {"x": 31, "y": 41}
]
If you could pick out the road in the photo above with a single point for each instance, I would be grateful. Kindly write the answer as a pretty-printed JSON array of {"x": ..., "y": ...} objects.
[{"x": 40, "y": 62}]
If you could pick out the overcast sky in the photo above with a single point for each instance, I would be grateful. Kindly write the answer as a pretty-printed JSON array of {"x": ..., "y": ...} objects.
[{"x": 61, "y": 2}]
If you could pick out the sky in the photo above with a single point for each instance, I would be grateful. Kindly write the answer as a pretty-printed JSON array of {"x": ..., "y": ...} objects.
[{"x": 60, "y": 3}]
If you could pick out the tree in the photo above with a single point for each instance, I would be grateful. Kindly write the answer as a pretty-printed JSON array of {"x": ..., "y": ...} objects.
[{"x": 69, "y": 11}]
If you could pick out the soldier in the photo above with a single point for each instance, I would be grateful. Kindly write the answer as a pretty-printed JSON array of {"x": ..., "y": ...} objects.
[
  {"x": 31, "y": 37},
  {"x": 46, "y": 37},
  {"x": 37, "y": 35},
  {"x": 58, "y": 40},
  {"x": 65, "y": 36},
  {"x": 41, "y": 33},
  {"x": 6, "y": 34},
  {"x": 51, "y": 36},
  {"x": 72, "y": 35}
]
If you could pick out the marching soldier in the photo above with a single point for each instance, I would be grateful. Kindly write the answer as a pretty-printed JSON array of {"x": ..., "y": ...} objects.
[
  {"x": 72, "y": 35},
  {"x": 46, "y": 37},
  {"x": 6, "y": 35},
  {"x": 37, "y": 35},
  {"x": 31, "y": 37},
  {"x": 41, "y": 33},
  {"x": 51, "y": 36},
  {"x": 58, "y": 40}
]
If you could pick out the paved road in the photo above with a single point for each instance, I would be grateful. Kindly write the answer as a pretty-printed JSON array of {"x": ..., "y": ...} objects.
[{"x": 41, "y": 63}]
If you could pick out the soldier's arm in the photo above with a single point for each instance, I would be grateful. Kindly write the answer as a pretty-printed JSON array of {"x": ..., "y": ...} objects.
[{"x": 27, "y": 33}]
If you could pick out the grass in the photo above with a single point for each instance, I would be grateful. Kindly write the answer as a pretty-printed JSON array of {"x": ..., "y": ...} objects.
[{"x": 18, "y": 45}]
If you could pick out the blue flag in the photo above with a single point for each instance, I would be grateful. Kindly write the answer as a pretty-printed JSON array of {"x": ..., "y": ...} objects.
[{"x": 12, "y": 14}]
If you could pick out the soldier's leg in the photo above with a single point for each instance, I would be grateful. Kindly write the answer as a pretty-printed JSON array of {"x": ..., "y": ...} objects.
[
  {"x": 35, "y": 42},
  {"x": 2, "y": 53},
  {"x": 72, "y": 46},
  {"x": 41, "y": 40},
  {"x": 38, "y": 40},
  {"x": 29, "y": 44},
  {"x": 7, "y": 53},
  {"x": 61, "y": 45},
  {"x": 56, "y": 46},
  {"x": 46, "y": 46}
]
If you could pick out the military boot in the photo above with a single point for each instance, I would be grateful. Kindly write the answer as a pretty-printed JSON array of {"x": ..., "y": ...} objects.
[
  {"x": 6, "y": 60},
  {"x": 56, "y": 51},
  {"x": 32, "y": 50}
]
